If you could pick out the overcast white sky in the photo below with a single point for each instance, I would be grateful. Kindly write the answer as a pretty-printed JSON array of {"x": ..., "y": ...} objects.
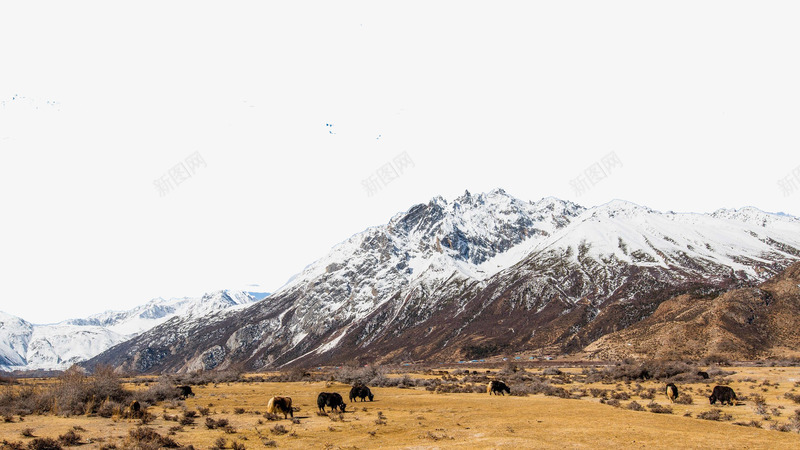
[{"x": 98, "y": 100}]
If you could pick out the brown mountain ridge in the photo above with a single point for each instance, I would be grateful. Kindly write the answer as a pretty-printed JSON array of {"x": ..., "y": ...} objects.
[{"x": 739, "y": 324}]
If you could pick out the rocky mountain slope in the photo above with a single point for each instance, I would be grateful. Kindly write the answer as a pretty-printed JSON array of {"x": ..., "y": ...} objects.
[
  {"x": 740, "y": 324},
  {"x": 26, "y": 346},
  {"x": 483, "y": 274}
]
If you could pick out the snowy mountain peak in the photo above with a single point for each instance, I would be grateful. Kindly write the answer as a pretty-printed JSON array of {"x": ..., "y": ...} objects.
[
  {"x": 753, "y": 216},
  {"x": 621, "y": 207}
]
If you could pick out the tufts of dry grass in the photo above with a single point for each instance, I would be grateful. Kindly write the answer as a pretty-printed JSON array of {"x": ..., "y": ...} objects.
[{"x": 410, "y": 417}]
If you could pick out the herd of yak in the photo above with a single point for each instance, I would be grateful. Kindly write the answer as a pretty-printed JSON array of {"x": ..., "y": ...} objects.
[
  {"x": 331, "y": 400},
  {"x": 334, "y": 401}
]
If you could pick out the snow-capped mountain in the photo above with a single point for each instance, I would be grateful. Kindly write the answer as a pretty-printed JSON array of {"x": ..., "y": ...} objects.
[
  {"x": 481, "y": 274},
  {"x": 159, "y": 310},
  {"x": 15, "y": 334},
  {"x": 25, "y": 346}
]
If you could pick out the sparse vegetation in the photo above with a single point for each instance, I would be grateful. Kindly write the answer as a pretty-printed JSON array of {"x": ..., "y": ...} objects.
[
  {"x": 70, "y": 438},
  {"x": 714, "y": 414},
  {"x": 634, "y": 406},
  {"x": 459, "y": 390},
  {"x": 216, "y": 423},
  {"x": 44, "y": 443},
  {"x": 145, "y": 437},
  {"x": 658, "y": 408},
  {"x": 279, "y": 429}
]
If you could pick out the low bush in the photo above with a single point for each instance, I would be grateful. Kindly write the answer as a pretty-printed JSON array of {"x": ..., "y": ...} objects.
[
  {"x": 658, "y": 408},
  {"x": 634, "y": 406},
  {"x": 70, "y": 438},
  {"x": 145, "y": 437},
  {"x": 793, "y": 397},
  {"x": 219, "y": 423},
  {"x": 44, "y": 444},
  {"x": 279, "y": 429},
  {"x": 714, "y": 414},
  {"x": 752, "y": 423}
]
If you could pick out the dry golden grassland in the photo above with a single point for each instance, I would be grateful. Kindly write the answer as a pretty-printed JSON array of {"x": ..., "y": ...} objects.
[{"x": 418, "y": 418}]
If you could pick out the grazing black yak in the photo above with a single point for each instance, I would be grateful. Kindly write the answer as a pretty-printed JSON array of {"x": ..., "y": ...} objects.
[
  {"x": 331, "y": 400},
  {"x": 135, "y": 410},
  {"x": 723, "y": 394},
  {"x": 186, "y": 391},
  {"x": 360, "y": 391},
  {"x": 497, "y": 387}
]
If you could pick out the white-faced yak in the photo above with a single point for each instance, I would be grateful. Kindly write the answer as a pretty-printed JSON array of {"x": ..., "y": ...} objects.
[
  {"x": 672, "y": 392},
  {"x": 280, "y": 404}
]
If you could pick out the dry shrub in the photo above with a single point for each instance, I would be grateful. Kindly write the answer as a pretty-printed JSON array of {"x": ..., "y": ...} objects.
[
  {"x": 634, "y": 406},
  {"x": 188, "y": 416},
  {"x": 760, "y": 404},
  {"x": 621, "y": 395},
  {"x": 455, "y": 388},
  {"x": 44, "y": 444},
  {"x": 204, "y": 377},
  {"x": 715, "y": 372},
  {"x": 109, "y": 408},
  {"x": 279, "y": 429},
  {"x": 658, "y": 408},
  {"x": 163, "y": 389},
  {"x": 782, "y": 427},
  {"x": 292, "y": 375},
  {"x": 714, "y": 414},
  {"x": 76, "y": 393},
  {"x": 435, "y": 436},
  {"x": 598, "y": 393},
  {"x": 509, "y": 368},
  {"x": 148, "y": 438},
  {"x": 613, "y": 402},
  {"x": 274, "y": 417},
  {"x": 552, "y": 371},
  {"x": 73, "y": 393},
  {"x": 6, "y": 445},
  {"x": 752, "y": 423},
  {"x": 684, "y": 399},
  {"x": 793, "y": 397},
  {"x": 219, "y": 444},
  {"x": 369, "y": 376},
  {"x": 219, "y": 423},
  {"x": 70, "y": 438},
  {"x": 715, "y": 359}
]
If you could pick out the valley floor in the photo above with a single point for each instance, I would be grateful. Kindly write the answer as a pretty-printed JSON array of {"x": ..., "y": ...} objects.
[{"x": 416, "y": 418}]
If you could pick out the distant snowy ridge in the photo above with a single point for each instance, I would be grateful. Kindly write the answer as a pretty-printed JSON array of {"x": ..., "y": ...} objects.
[{"x": 26, "y": 346}]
